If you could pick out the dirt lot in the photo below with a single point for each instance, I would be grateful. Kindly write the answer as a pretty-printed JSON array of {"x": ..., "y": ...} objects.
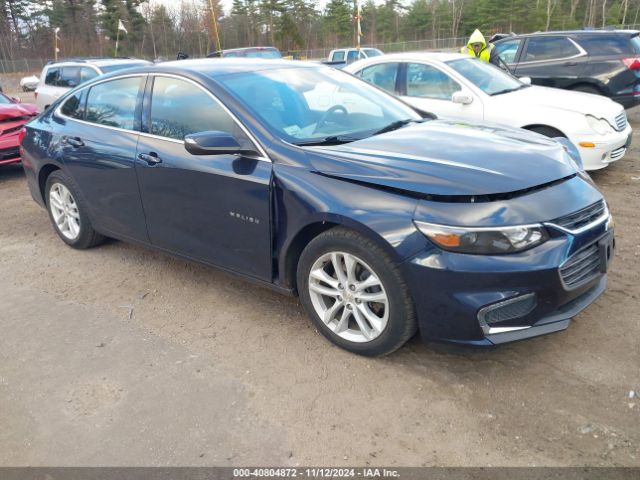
[{"x": 122, "y": 356}]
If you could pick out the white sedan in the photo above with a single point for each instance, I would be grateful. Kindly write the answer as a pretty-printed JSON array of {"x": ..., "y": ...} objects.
[{"x": 459, "y": 87}]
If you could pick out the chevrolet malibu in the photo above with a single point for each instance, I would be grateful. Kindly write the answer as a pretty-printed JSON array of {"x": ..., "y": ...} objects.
[{"x": 313, "y": 182}]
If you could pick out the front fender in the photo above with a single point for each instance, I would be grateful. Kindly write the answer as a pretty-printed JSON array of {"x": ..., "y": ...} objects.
[{"x": 303, "y": 198}]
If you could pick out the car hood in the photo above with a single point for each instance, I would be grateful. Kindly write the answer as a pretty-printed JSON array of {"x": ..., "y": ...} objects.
[
  {"x": 14, "y": 110},
  {"x": 441, "y": 157},
  {"x": 579, "y": 102}
]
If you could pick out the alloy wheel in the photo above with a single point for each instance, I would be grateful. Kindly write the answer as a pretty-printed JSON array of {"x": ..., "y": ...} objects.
[
  {"x": 348, "y": 296},
  {"x": 64, "y": 210}
]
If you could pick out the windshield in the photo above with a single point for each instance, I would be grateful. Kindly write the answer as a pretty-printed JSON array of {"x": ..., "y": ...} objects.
[
  {"x": 307, "y": 104},
  {"x": 4, "y": 100},
  {"x": 121, "y": 66},
  {"x": 491, "y": 80}
]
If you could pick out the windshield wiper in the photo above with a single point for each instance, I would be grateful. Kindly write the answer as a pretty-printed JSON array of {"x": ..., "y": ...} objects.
[
  {"x": 508, "y": 90},
  {"x": 331, "y": 140},
  {"x": 396, "y": 125}
]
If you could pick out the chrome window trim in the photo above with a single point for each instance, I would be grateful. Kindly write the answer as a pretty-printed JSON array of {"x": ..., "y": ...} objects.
[
  {"x": 263, "y": 154},
  {"x": 602, "y": 218},
  {"x": 581, "y": 53},
  {"x": 58, "y": 112}
]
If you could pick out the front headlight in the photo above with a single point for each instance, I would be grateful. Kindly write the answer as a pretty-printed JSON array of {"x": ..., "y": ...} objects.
[
  {"x": 487, "y": 241},
  {"x": 599, "y": 125}
]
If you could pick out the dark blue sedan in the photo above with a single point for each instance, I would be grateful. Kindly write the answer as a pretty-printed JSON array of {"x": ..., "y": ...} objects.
[{"x": 308, "y": 180}]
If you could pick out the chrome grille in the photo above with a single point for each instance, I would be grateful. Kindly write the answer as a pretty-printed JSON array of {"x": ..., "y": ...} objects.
[
  {"x": 579, "y": 219},
  {"x": 581, "y": 267},
  {"x": 617, "y": 153},
  {"x": 621, "y": 121}
]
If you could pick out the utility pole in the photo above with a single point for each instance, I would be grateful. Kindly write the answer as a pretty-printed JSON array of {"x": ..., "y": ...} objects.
[
  {"x": 215, "y": 26},
  {"x": 55, "y": 43},
  {"x": 358, "y": 30}
]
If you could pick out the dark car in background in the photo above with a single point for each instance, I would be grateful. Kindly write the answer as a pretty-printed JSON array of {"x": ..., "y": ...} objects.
[
  {"x": 311, "y": 181},
  {"x": 604, "y": 62},
  {"x": 248, "y": 52}
]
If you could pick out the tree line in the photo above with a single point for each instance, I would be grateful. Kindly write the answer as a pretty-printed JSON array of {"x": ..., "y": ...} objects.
[{"x": 90, "y": 27}]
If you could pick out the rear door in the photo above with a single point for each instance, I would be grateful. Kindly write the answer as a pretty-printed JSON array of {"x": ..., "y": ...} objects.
[
  {"x": 552, "y": 61},
  {"x": 98, "y": 147},
  {"x": 213, "y": 208}
]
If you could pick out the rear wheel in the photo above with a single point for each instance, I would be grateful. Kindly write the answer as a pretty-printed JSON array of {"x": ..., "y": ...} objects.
[
  {"x": 68, "y": 212},
  {"x": 355, "y": 294}
]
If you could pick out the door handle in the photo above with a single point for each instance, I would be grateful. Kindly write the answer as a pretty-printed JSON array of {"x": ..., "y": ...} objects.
[
  {"x": 570, "y": 64},
  {"x": 75, "y": 142},
  {"x": 151, "y": 158}
]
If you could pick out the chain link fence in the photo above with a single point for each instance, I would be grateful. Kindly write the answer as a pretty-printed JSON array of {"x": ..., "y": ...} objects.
[
  {"x": 26, "y": 65},
  {"x": 34, "y": 65}
]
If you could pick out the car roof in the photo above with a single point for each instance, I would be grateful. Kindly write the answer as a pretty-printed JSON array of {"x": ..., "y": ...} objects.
[
  {"x": 215, "y": 67},
  {"x": 95, "y": 61},
  {"x": 418, "y": 56},
  {"x": 630, "y": 33}
]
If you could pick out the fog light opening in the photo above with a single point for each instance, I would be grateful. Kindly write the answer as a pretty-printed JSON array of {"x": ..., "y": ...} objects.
[{"x": 490, "y": 317}]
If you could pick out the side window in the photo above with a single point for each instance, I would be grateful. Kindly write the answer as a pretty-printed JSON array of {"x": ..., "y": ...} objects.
[
  {"x": 51, "y": 78},
  {"x": 113, "y": 103},
  {"x": 426, "y": 81},
  {"x": 383, "y": 75},
  {"x": 74, "y": 106},
  {"x": 179, "y": 108},
  {"x": 338, "y": 56},
  {"x": 508, "y": 49},
  {"x": 549, "y": 48},
  {"x": 87, "y": 74},
  {"x": 69, "y": 77},
  {"x": 352, "y": 56},
  {"x": 602, "y": 44}
]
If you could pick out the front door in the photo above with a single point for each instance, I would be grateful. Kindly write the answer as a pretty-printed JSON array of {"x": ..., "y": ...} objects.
[
  {"x": 430, "y": 89},
  {"x": 212, "y": 208}
]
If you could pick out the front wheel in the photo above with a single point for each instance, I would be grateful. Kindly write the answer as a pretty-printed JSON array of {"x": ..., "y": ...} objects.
[{"x": 355, "y": 294}]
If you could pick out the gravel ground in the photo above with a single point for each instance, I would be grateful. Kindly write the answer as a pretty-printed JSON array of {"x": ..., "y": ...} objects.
[{"x": 123, "y": 356}]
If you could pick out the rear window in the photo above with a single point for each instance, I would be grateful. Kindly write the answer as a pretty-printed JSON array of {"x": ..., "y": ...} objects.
[
  {"x": 263, "y": 53},
  {"x": 121, "y": 66},
  {"x": 608, "y": 44},
  {"x": 51, "y": 78},
  {"x": 338, "y": 56}
]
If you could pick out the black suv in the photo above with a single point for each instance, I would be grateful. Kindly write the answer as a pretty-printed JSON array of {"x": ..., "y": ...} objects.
[{"x": 597, "y": 61}]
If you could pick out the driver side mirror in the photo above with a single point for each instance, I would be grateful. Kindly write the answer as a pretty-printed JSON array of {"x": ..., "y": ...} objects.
[
  {"x": 461, "y": 98},
  {"x": 15, "y": 100},
  {"x": 525, "y": 80},
  {"x": 212, "y": 143}
]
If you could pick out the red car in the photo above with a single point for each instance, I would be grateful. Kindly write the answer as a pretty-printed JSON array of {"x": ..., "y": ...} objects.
[{"x": 13, "y": 115}]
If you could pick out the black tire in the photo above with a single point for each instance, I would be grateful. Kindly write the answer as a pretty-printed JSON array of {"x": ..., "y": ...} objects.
[
  {"x": 87, "y": 237},
  {"x": 547, "y": 131},
  {"x": 401, "y": 324},
  {"x": 586, "y": 89}
]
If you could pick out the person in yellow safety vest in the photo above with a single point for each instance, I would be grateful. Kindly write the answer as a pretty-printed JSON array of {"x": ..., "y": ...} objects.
[{"x": 477, "y": 47}]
